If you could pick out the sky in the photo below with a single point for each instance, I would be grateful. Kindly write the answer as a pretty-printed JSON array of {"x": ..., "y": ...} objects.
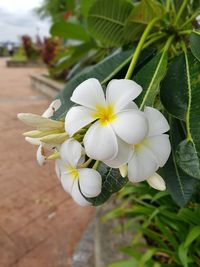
[{"x": 17, "y": 18}]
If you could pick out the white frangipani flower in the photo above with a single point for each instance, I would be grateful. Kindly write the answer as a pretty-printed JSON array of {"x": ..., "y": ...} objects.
[
  {"x": 53, "y": 107},
  {"x": 153, "y": 151},
  {"x": 117, "y": 120},
  {"x": 157, "y": 182},
  {"x": 42, "y": 123},
  {"x": 75, "y": 179}
]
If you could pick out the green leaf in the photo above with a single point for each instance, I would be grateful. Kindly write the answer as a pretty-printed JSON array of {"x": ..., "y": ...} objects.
[
  {"x": 140, "y": 16},
  {"x": 79, "y": 52},
  {"x": 192, "y": 235},
  {"x": 85, "y": 6},
  {"x": 195, "y": 44},
  {"x": 179, "y": 184},
  {"x": 190, "y": 216},
  {"x": 112, "y": 182},
  {"x": 173, "y": 91},
  {"x": 130, "y": 263},
  {"x": 145, "y": 11},
  {"x": 146, "y": 257},
  {"x": 149, "y": 77},
  {"x": 188, "y": 153},
  {"x": 103, "y": 71},
  {"x": 187, "y": 158},
  {"x": 182, "y": 253},
  {"x": 167, "y": 233},
  {"x": 69, "y": 31},
  {"x": 106, "y": 20},
  {"x": 181, "y": 85}
]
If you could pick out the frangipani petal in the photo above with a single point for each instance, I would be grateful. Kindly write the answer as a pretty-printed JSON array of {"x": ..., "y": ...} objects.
[
  {"x": 70, "y": 152},
  {"x": 59, "y": 168},
  {"x": 53, "y": 107},
  {"x": 41, "y": 155},
  {"x": 90, "y": 182},
  {"x": 131, "y": 105},
  {"x": 160, "y": 147},
  {"x": 100, "y": 142},
  {"x": 33, "y": 141},
  {"x": 77, "y": 196},
  {"x": 77, "y": 118},
  {"x": 125, "y": 151},
  {"x": 157, "y": 122},
  {"x": 89, "y": 94},
  {"x": 142, "y": 165},
  {"x": 157, "y": 182},
  {"x": 131, "y": 126},
  {"x": 40, "y": 122},
  {"x": 120, "y": 92},
  {"x": 124, "y": 170},
  {"x": 67, "y": 181}
]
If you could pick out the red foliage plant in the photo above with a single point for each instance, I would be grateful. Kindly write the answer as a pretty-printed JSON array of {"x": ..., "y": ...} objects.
[
  {"x": 67, "y": 15},
  {"x": 49, "y": 50}
]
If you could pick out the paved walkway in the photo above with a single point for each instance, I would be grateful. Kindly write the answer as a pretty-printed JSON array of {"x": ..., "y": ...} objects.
[{"x": 39, "y": 223}]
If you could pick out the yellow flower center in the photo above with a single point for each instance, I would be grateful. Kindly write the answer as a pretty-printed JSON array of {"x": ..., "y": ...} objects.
[
  {"x": 73, "y": 171},
  {"x": 104, "y": 114}
]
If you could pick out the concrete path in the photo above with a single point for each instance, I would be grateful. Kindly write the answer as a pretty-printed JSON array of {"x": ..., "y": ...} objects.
[{"x": 39, "y": 223}]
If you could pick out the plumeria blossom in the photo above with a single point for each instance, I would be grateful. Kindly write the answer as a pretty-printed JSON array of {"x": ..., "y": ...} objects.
[
  {"x": 114, "y": 121},
  {"x": 42, "y": 123},
  {"x": 75, "y": 179},
  {"x": 153, "y": 151},
  {"x": 157, "y": 182},
  {"x": 41, "y": 154}
]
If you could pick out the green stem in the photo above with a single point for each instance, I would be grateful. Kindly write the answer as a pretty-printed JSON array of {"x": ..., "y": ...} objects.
[
  {"x": 168, "y": 3},
  {"x": 186, "y": 32},
  {"x": 190, "y": 19},
  {"x": 168, "y": 43},
  {"x": 139, "y": 48},
  {"x": 87, "y": 163},
  {"x": 154, "y": 35},
  {"x": 153, "y": 40},
  {"x": 95, "y": 166},
  {"x": 180, "y": 11}
]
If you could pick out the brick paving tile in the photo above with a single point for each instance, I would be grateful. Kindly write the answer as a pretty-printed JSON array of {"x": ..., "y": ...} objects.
[
  {"x": 39, "y": 223},
  {"x": 9, "y": 252}
]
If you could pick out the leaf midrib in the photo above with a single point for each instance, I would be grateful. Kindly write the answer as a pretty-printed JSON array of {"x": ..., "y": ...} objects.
[{"x": 189, "y": 135}]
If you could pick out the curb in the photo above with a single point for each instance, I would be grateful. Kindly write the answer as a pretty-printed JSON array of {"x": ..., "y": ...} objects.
[
  {"x": 101, "y": 242},
  {"x": 46, "y": 86}
]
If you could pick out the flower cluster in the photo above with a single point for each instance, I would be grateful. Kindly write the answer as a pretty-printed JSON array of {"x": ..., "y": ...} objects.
[{"x": 106, "y": 128}]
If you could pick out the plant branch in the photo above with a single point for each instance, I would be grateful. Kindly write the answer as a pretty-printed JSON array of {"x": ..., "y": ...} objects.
[
  {"x": 190, "y": 19},
  {"x": 95, "y": 166},
  {"x": 168, "y": 3},
  {"x": 168, "y": 43},
  {"x": 139, "y": 47},
  {"x": 153, "y": 40},
  {"x": 186, "y": 32},
  {"x": 180, "y": 11}
]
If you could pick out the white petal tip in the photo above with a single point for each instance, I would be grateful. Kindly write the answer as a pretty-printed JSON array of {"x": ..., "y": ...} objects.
[
  {"x": 33, "y": 141},
  {"x": 124, "y": 170},
  {"x": 41, "y": 157},
  {"x": 157, "y": 182},
  {"x": 21, "y": 116}
]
